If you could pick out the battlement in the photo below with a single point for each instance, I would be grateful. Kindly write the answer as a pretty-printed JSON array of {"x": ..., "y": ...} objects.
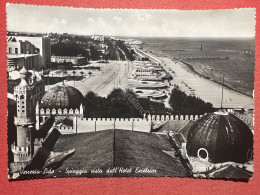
[
  {"x": 173, "y": 117},
  {"x": 20, "y": 151},
  {"x": 111, "y": 119},
  {"x": 23, "y": 121},
  {"x": 59, "y": 111},
  {"x": 82, "y": 125}
]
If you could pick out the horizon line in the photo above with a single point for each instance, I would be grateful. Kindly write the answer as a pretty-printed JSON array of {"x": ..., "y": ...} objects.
[{"x": 132, "y": 36}]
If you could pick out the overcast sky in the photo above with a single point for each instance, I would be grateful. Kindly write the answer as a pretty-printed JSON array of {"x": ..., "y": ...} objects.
[{"x": 126, "y": 22}]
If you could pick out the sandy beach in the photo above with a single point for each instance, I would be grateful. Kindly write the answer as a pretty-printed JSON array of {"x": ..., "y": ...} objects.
[{"x": 207, "y": 90}]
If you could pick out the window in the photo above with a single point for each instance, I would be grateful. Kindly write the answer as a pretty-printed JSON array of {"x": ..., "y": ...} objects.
[
  {"x": 22, "y": 97},
  {"x": 203, "y": 154},
  {"x": 16, "y": 50},
  {"x": 10, "y": 50}
]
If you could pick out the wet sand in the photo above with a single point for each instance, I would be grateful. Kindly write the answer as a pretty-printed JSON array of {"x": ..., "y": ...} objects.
[{"x": 197, "y": 85}]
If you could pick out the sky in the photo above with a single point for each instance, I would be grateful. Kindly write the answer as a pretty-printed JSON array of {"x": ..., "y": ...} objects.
[{"x": 132, "y": 22}]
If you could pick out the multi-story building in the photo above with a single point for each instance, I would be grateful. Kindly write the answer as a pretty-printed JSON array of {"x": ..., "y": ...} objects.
[{"x": 31, "y": 52}]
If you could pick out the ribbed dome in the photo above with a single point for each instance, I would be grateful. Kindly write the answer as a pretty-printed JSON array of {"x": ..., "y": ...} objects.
[
  {"x": 220, "y": 137},
  {"x": 62, "y": 97}
]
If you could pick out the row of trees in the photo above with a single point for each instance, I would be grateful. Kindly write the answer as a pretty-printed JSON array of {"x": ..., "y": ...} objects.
[
  {"x": 121, "y": 104},
  {"x": 184, "y": 104},
  {"x": 129, "y": 53},
  {"x": 73, "y": 48},
  {"x": 68, "y": 49}
]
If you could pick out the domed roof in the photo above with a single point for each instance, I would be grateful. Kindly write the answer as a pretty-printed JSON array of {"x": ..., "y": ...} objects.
[
  {"x": 220, "y": 137},
  {"x": 23, "y": 70},
  {"x": 23, "y": 73},
  {"x": 63, "y": 96}
]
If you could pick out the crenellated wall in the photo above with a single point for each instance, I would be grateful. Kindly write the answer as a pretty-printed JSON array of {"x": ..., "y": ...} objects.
[
  {"x": 174, "y": 117},
  {"x": 83, "y": 125},
  {"x": 43, "y": 114}
]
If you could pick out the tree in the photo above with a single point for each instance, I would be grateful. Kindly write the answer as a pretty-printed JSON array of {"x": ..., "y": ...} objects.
[
  {"x": 82, "y": 73},
  {"x": 183, "y": 104},
  {"x": 68, "y": 49},
  {"x": 96, "y": 106},
  {"x": 74, "y": 72},
  {"x": 120, "y": 104},
  {"x": 94, "y": 54}
]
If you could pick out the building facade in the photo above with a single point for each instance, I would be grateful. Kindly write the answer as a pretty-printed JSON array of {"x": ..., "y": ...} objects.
[
  {"x": 31, "y": 52},
  {"x": 74, "y": 60}
]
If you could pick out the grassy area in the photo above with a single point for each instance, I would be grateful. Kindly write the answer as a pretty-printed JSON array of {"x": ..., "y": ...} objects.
[
  {"x": 94, "y": 150},
  {"x": 137, "y": 149}
]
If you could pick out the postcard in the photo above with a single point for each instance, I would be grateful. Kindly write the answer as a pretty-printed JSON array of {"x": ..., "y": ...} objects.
[{"x": 130, "y": 92}]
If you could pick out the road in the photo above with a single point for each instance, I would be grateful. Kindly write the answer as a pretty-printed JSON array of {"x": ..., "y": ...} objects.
[{"x": 112, "y": 75}]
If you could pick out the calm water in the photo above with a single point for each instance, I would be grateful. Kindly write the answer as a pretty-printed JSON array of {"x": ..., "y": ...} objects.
[{"x": 233, "y": 58}]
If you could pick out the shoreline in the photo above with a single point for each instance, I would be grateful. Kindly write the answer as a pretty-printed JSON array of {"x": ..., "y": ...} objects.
[
  {"x": 210, "y": 79},
  {"x": 205, "y": 88}
]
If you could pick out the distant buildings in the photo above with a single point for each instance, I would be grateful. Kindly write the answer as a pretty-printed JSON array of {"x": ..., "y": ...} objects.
[
  {"x": 74, "y": 60},
  {"x": 31, "y": 52},
  {"x": 98, "y": 37},
  {"x": 134, "y": 42}
]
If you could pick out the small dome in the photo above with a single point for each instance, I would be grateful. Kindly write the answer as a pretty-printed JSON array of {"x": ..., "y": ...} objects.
[
  {"x": 63, "y": 96},
  {"x": 23, "y": 73},
  {"x": 23, "y": 70},
  {"x": 220, "y": 137}
]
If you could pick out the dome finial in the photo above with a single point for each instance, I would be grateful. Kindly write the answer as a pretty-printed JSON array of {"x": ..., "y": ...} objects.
[{"x": 23, "y": 73}]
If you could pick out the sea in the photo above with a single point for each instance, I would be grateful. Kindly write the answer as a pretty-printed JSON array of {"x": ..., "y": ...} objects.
[{"x": 233, "y": 58}]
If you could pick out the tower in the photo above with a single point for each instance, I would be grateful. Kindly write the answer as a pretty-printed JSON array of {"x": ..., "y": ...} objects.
[{"x": 27, "y": 93}]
